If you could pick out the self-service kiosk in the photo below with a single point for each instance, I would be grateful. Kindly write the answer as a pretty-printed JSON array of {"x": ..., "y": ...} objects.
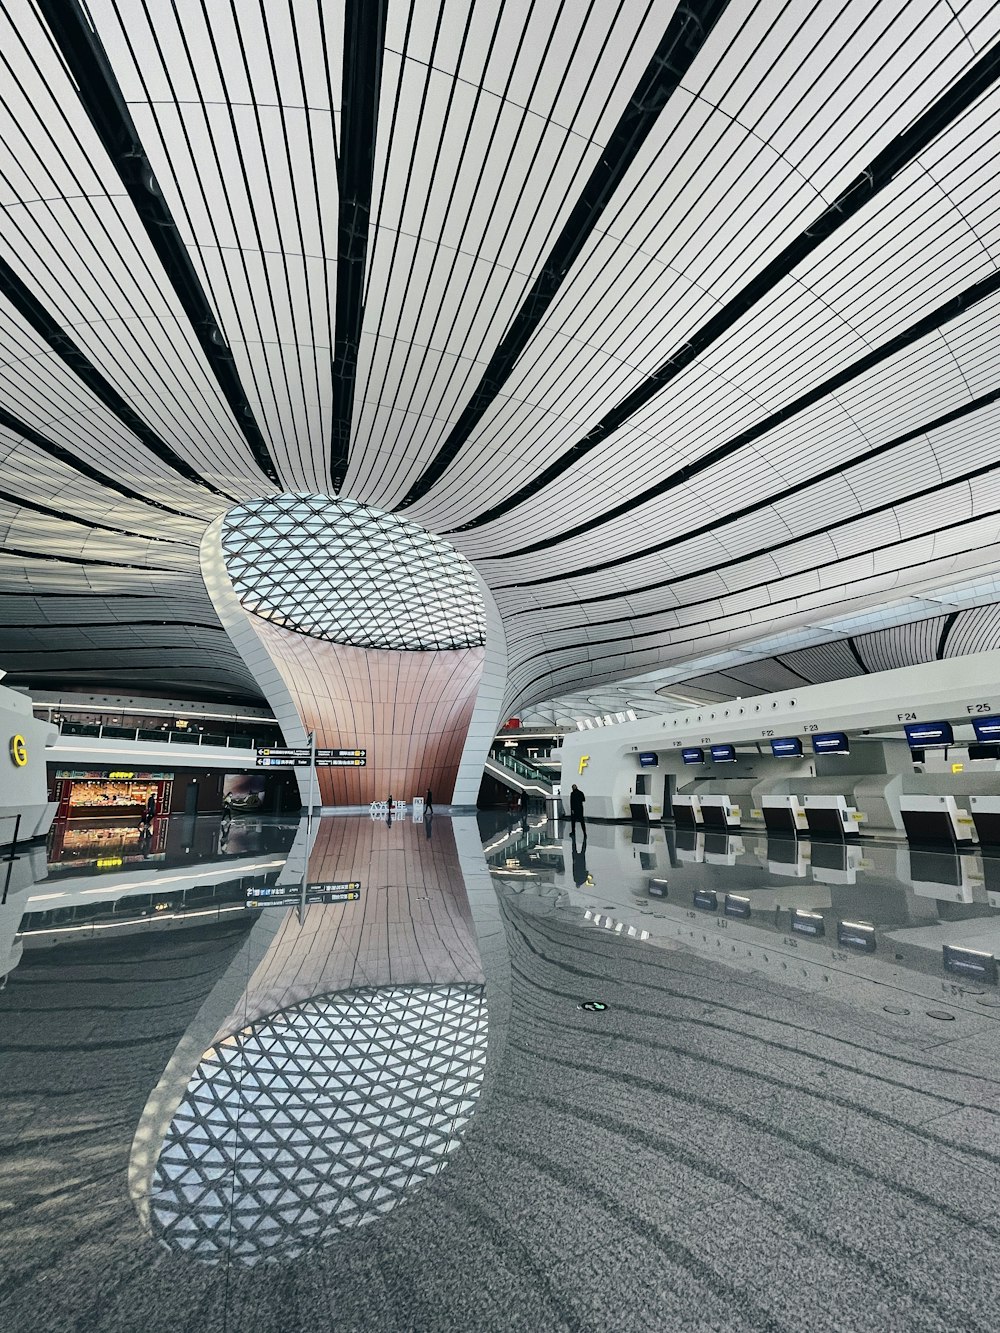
[
  {"x": 985, "y": 812},
  {"x": 687, "y": 810},
  {"x": 831, "y": 817},
  {"x": 783, "y": 814},
  {"x": 935, "y": 819},
  {"x": 718, "y": 811}
]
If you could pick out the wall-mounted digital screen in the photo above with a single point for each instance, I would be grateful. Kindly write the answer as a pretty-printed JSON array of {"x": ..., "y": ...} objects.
[
  {"x": 787, "y": 747},
  {"x": 922, "y": 734},
  {"x": 724, "y": 754},
  {"x": 648, "y": 760},
  {"x": 693, "y": 755},
  {"x": 986, "y": 728},
  {"x": 830, "y": 742}
]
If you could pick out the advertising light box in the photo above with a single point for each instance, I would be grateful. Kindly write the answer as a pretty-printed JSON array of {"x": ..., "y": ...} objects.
[
  {"x": 648, "y": 760},
  {"x": 724, "y": 754},
  {"x": 787, "y": 747},
  {"x": 693, "y": 755},
  {"x": 987, "y": 728},
  {"x": 923, "y": 734},
  {"x": 830, "y": 742}
]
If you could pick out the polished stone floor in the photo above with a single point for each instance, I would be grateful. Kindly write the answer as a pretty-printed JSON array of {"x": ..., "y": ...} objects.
[{"x": 363, "y": 1077}]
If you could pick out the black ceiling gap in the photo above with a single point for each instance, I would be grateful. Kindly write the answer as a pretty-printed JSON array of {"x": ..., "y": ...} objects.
[
  {"x": 967, "y": 409},
  {"x": 685, "y": 36},
  {"x": 88, "y": 562},
  {"x": 755, "y": 587},
  {"x": 37, "y": 508},
  {"x": 13, "y": 424},
  {"x": 873, "y": 179},
  {"x": 364, "y": 46},
  {"x": 102, "y": 100},
  {"x": 852, "y": 648},
  {"x": 949, "y": 620}
]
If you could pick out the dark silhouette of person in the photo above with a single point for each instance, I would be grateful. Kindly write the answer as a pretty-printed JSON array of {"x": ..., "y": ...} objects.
[
  {"x": 576, "y": 800},
  {"x": 429, "y": 802},
  {"x": 581, "y": 875},
  {"x": 151, "y": 806}
]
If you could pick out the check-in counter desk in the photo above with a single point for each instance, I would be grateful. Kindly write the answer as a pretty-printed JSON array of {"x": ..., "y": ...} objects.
[
  {"x": 831, "y": 817},
  {"x": 722, "y": 849},
  {"x": 935, "y": 819},
  {"x": 687, "y": 810},
  {"x": 718, "y": 811},
  {"x": 835, "y": 862},
  {"x": 985, "y": 812},
  {"x": 783, "y": 814}
]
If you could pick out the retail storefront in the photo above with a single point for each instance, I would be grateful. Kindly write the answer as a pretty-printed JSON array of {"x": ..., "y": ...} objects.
[{"x": 109, "y": 794}]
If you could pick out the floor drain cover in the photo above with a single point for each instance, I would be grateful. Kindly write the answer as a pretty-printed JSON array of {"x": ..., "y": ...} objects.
[
  {"x": 941, "y": 1014},
  {"x": 895, "y": 1009}
]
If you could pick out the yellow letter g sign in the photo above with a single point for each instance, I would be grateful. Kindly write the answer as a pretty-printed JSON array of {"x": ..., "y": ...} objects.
[{"x": 18, "y": 751}]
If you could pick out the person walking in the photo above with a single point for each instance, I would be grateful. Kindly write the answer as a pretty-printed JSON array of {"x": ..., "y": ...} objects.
[
  {"x": 576, "y": 800},
  {"x": 429, "y": 802}
]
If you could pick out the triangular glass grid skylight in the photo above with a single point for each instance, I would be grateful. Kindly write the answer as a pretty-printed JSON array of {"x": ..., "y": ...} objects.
[
  {"x": 317, "y": 1119},
  {"x": 337, "y": 570}
]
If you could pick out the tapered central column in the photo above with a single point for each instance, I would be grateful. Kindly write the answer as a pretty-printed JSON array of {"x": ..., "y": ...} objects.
[{"x": 371, "y": 627}]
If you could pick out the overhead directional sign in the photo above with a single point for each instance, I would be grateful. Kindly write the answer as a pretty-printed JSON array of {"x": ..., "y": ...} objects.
[
  {"x": 341, "y": 758},
  {"x": 284, "y": 757}
]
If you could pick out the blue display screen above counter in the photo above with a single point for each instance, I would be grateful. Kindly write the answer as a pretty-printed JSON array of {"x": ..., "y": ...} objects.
[
  {"x": 787, "y": 747},
  {"x": 648, "y": 760},
  {"x": 724, "y": 754},
  {"x": 693, "y": 755},
  {"x": 922, "y": 734},
  {"x": 830, "y": 742},
  {"x": 986, "y": 728}
]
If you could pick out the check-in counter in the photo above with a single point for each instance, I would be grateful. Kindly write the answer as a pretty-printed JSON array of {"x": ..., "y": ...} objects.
[
  {"x": 687, "y": 810},
  {"x": 787, "y": 856},
  {"x": 831, "y": 817},
  {"x": 718, "y": 811},
  {"x": 835, "y": 862},
  {"x": 722, "y": 849},
  {"x": 935, "y": 819},
  {"x": 985, "y": 812},
  {"x": 783, "y": 814}
]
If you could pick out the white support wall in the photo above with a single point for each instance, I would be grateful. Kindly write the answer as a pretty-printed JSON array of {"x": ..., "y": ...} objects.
[
  {"x": 23, "y": 791},
  {"x": 488, "y": 713}
]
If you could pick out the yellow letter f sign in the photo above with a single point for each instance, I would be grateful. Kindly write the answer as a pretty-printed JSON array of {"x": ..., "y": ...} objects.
[{"x": 584, "y": 761}]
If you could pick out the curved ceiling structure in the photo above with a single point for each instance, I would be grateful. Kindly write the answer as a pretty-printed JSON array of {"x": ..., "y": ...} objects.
[{"x": 678, "y": 321}]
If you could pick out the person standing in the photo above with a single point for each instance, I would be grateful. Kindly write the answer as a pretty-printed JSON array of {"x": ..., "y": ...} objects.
[
  {"x": 429, "y": 802},
  {"x": 576, "y": 800}
]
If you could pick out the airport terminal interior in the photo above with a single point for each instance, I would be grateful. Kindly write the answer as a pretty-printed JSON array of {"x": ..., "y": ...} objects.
[{"x": 499, "y": 666}]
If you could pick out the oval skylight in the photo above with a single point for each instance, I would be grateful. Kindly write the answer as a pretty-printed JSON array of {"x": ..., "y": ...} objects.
[{"x": 338, "y": 570}]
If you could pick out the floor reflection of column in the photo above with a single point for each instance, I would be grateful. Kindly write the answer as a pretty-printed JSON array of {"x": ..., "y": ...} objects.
[{"x": 344, "y": 1069}]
